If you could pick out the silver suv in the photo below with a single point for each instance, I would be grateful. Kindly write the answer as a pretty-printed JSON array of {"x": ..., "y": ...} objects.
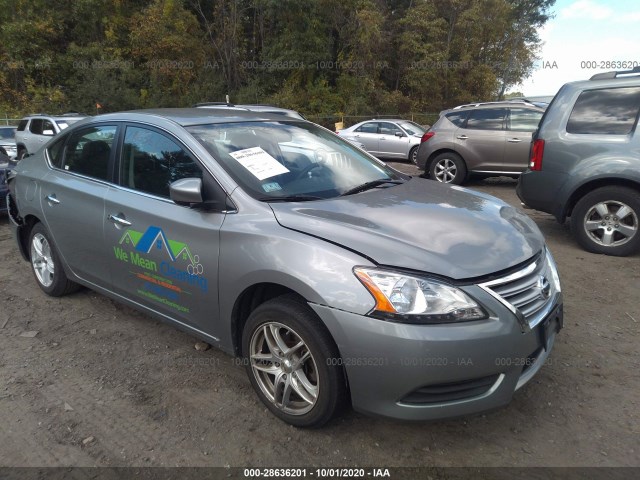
[
  {"x": 585, "y": 162},
  {"x": 488, "y": 139},
  {"x": 35, "y": 130}
]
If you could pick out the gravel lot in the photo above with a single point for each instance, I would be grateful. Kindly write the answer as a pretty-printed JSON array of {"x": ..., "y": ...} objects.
[{"x": 101, "y": 384}]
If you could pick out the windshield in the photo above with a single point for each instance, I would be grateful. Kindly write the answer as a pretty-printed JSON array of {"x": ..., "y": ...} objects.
[
  {"x": 412, "y": 128},
  {"x": 272, "y": 160}
]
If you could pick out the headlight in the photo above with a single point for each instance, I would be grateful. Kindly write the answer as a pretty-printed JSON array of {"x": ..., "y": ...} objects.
[{"x": 409, "y": 299}]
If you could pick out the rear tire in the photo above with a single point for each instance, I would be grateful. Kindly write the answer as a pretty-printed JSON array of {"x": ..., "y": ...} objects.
[
  {"x": 606, "y": 221},
  {"x": 46, "y": 265},
  {"x": 413, "y": 155},
  {"x": 22, "y": 152},
  {"x": 448, "y": 167},
  {"x": 293, "y": 363}
]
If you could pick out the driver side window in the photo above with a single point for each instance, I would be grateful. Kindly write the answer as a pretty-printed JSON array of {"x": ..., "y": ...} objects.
[{"x": 152, "y": 161}]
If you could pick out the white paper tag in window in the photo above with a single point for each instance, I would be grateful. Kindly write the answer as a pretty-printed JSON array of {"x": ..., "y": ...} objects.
[{"x": 259, "y": 163}]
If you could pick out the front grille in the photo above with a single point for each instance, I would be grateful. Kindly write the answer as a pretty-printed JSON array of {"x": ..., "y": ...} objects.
[
  {"x": 450, "y": 392},
  {"x": 529, "y": 291}
]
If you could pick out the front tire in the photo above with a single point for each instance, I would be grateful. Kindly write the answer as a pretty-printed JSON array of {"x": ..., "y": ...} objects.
[
  {"x": 46, "y": 265},
  {"x": 448, "y": 167},
  {"x": 292, "y": 362},
  {"x": 606, "y": 221}
]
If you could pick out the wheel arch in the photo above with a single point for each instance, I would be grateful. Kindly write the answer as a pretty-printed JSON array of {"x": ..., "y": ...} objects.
[
  {"x": 590, "y": 186},
  {"x": 23, "y": 233},
  {"x": 250, "y": 299}
]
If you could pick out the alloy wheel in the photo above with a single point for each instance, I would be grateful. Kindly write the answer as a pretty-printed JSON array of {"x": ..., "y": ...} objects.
[
  {"x": 445, "y": 170},
  {"x": 611, "y": 223},
  {"x": 284, "y": 368},
  {"x": 42, "y": 259}
]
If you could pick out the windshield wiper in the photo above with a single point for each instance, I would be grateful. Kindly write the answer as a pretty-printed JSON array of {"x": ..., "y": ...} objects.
[
  {"x": 370, "y": 185},
  {"x": 291, "y": 198}
]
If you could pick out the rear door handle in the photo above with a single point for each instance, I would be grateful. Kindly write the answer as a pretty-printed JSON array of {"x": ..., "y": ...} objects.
[
  {"x": 514, "y": 140},
  {"x": 462, "y": 137},
  {"x": 52, "y": 199},
  {"x": 118, "y": 220}
]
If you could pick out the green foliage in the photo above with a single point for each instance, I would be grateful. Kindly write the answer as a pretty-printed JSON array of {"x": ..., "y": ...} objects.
[{"x": 322, "y": 57}]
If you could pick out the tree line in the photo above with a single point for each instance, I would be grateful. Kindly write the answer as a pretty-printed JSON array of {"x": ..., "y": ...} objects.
[{"x": 321, "y": 57}]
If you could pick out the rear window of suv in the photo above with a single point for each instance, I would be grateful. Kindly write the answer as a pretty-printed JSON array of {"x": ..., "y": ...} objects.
[{"x": 608, "y": 111}]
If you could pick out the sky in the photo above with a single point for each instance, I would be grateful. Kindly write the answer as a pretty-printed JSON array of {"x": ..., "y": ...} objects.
[{"x": 582, "y": 36}]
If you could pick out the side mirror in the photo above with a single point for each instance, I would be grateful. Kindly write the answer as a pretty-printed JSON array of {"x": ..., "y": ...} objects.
[
  {"x": 50, "y": 133},
  {"x": 186, "y": 191},
  {"x": 399, "y": 134}
]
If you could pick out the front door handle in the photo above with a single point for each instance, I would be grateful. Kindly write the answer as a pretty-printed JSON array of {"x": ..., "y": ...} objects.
[
  {"x": 514, "y": 140},
  {"x": 462, "y": 137},
  {"x": 118, "y": 220},
  {"x": 52, "y": 199}
]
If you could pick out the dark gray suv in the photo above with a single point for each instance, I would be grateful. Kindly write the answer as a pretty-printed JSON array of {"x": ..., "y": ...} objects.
[{"x": 585, "y": 162}]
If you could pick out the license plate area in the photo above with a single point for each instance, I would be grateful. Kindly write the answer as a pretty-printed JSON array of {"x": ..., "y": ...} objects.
[{"x": 551, "y": 325}]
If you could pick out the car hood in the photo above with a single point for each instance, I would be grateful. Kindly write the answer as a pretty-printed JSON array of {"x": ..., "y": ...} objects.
[{"x": 421, "y": 225}]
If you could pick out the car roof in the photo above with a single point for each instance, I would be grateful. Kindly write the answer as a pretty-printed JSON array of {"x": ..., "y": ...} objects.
[
  {"x": 502, "y": 103},
  {"x": 252, "y": 107},
  {"x": 627, "y": 78},
  {"x": 196, "y": 116},
  {"x": 63, "y": 116}
]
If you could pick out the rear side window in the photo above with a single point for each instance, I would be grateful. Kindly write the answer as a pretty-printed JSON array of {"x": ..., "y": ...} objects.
[
  {"x": 88, "y": 151},
  {"x": 608, "y": 111},
  {"x": 523, "y": 120},
  {"x": 457, "y": 118},
  {"x": 487, "y": 119},
  {"x": 22, "y": 125},
  {"x": 371, "y": 127}
]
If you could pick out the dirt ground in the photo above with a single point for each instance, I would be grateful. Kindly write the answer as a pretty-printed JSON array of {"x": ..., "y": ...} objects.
[{"x": 103, "y": 385}]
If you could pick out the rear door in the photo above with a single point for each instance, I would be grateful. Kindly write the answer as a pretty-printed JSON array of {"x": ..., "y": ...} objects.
[
  {"x": 162, "y": 255},
  {"x": 72, "y": 202},
  {"x": 367, "y": 134},
  {"x": 521, "y": 123},
  {"x": 482, "y": 140}
]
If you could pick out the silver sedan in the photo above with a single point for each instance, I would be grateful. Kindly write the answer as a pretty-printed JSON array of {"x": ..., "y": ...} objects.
[{"x": 388, "y": 138}]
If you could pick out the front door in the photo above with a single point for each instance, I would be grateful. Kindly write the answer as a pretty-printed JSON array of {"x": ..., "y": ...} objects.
[
  {"x": 394, "y": 143},
  {"x": 163, "y": 256}
]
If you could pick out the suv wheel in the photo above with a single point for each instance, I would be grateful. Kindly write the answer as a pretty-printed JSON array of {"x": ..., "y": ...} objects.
[
  {"x": 46, "y": 265},
  {"x": 448, "y": 167},
  {"x": 293, "y": 363},
  {"x": 606, "y": 221},
  {"x": 22, "y": 152}
]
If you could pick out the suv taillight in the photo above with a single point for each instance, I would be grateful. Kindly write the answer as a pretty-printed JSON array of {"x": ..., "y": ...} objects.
[
  {"x": 537, "y": 151},
  {"x": 427, "y": 136}
]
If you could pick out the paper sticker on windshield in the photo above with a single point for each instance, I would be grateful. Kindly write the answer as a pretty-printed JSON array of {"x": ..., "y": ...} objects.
[
  {"x": 259, "y": 163},
  {"x": 271, "y": 187}
]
